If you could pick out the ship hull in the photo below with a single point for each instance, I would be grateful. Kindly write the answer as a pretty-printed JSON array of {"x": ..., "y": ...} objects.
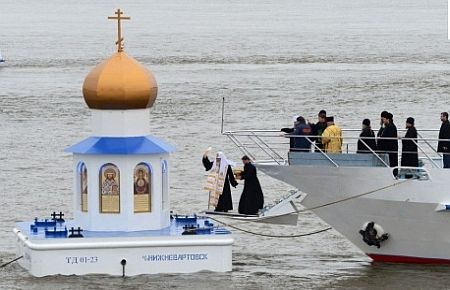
[{"x": 405, "y": 209}]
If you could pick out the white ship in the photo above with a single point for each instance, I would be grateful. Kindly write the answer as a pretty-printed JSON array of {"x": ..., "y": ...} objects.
[{"x": 355, "y": 193}]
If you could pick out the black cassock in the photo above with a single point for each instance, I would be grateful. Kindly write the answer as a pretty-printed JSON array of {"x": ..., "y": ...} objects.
[
  {"x": 252, "y": 198},
  {"x": 362, "y": 148},
  {"x": 409, "y": 149},
  {"x": 389, "y": 146},
  {"x": 225, "y": 202}
]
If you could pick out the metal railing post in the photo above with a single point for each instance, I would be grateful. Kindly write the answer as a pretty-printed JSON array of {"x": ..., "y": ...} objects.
[
  {"x": 265, "y": 144},
  {"x": 257, "y": 144},
  {"x": 323, "y": 153},
  {"x": 374, "y": 153},
  {"x": 432, "y": 161}
]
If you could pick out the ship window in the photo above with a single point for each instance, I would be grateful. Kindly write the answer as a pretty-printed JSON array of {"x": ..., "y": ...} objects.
[
  {"x": 109, "y": 176},
  {"x": 142, "y": 188}
]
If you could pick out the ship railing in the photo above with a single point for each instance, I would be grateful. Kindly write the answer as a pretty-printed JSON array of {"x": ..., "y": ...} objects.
[{"x": 272, "y": 146}]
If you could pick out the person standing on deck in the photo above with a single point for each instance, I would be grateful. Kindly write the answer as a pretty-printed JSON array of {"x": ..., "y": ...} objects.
[
  {"x": 332, "y": 137},
  {"x": 444, "y": 146},
  {"x": 302, "y": 129},
  {"x": 390, "y": 143},
  {"x": 318, "y": 128},
  {"x": 219, "y": 180},
  {"x": 410, "y": 157},
  {"x": 252, "y": 198},
  {"x": 369, "y": 142},
  {"x": 291, "y": 131},
  {"x": 383, "y": 116}
]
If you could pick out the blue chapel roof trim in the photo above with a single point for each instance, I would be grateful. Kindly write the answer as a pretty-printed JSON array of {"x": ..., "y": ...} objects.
[{"x": 121, "y": 145}]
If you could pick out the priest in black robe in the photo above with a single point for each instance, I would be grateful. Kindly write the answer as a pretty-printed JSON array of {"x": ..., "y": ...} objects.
[
  {"x": 384, "y": 115},
  {"x": 225, "y": 202},
  {"x": 252, "y": 199},
  {"x": 410, "y": 156},
  {"x": 388, "y": 142},
  {"x": 369, "y": 144}
]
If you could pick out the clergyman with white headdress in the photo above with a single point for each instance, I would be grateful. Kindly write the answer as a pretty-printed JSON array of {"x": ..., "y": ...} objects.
[{"x": 220, "y": 177}]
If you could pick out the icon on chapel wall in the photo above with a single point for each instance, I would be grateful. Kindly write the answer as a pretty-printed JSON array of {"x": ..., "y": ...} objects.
[
  {"x": 110, "y": 189},
  {"x": 141, "y": 179},
  {"x": 83, "y": 187},
  {"x": 142, "y": 196}
]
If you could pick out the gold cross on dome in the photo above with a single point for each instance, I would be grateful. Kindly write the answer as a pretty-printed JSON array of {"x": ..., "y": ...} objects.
[{"x": 119, "y": 17}]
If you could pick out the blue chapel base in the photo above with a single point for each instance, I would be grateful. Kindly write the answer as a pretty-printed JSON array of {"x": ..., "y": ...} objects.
[{"x": 185, "y": 246}]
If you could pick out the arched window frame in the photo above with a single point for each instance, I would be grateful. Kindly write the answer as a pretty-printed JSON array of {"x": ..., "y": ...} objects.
[
  {"x": 137, "y": 198},
  {"x": 83, "y": 200},
  {"x": 112, "y": 199}
]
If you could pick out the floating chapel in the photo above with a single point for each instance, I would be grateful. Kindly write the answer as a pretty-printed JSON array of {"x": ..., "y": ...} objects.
[
  {"x": 122, "y": 223},
  {"x": 121, "y": 172}
]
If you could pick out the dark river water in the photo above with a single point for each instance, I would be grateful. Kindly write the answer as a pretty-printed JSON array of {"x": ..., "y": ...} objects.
[{"x": 270, "y": 59}]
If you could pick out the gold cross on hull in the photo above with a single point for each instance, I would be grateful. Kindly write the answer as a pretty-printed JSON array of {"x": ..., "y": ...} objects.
[{"x": 119, "y": 17}]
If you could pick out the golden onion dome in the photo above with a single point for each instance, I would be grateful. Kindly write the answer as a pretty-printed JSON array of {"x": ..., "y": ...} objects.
[{"x": 120, "y": 83}]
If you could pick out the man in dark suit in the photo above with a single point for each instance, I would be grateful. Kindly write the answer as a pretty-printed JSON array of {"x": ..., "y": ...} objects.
[{"x": 444, "y": 145}]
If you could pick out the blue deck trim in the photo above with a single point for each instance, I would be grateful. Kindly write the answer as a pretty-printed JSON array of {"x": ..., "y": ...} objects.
[
  {"x": 121, "y": 145},
  {"x": 205, "y": 227}
]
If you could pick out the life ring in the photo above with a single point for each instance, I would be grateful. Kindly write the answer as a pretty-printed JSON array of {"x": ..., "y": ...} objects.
[
  {"x": 377, "y": 227},
  {"x": 373, "y": 234}
]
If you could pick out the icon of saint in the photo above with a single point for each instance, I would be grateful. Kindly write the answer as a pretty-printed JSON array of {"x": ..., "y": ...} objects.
[
  {"x": 141, "y": 183},
  {"x": 110, "y": 185}
]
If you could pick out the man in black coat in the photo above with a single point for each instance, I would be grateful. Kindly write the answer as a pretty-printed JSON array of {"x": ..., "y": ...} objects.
[
  {"x": 410, "y": 156},
  {"x": 383, "y": 115},
  {"x": 318, "y": 128},
  {"x": 390, "y": 144},
  {"x": 369, "y": 142},
  {"x": 252, "y": 198},
  {"x": 444, "y": 146}
]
